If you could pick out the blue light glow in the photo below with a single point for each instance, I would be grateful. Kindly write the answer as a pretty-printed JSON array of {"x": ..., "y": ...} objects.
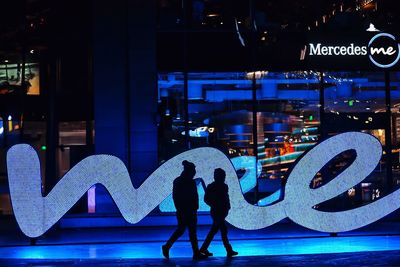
[
  {"x": 270, "y": 199},
  {"x": 252, "y": 247}
]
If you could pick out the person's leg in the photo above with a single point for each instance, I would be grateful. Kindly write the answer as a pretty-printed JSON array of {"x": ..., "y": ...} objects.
[
  {"x": 175, "y": 235},
  {"x": 192, "y": 225},
  {"x": 179, "y": 231},
  {"x": 210, "y": 237},
  {"x": 224, "y": 235}
]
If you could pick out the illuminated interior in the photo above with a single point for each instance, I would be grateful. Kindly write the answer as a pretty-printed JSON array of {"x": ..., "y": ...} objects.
[
  {"x": 221, "y": 108},
  {"x": 10, "y": 79}
]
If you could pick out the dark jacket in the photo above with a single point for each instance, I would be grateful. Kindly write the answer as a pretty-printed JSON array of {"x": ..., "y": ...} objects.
[
  {"x": 184, "y": 193},
  {"x": 217, "y": 198}
]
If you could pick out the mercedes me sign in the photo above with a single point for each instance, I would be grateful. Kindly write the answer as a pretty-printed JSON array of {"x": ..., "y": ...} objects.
[{"x": 383, "y": 50}]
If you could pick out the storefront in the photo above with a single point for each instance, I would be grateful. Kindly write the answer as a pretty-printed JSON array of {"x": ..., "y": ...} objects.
[
  {"x": 322, "y": 85},
  {"x": 262, "y": 95}
]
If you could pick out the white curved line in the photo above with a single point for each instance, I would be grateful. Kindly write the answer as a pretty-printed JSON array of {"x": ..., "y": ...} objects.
[{"x": 35, "y": 214}]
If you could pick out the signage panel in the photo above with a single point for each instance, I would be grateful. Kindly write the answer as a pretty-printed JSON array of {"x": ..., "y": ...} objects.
[{"x": 367, "y": 51}]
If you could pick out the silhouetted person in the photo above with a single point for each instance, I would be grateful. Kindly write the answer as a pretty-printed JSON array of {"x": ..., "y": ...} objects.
[
  {"x": 186, "y": 202},
  {"x": 217, "y": 198}
]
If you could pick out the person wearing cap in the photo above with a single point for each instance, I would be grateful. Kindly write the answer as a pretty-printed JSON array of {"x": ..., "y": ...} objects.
[
  {"x": 217, "y": 197},
  {"x": 186, "y": 200}
]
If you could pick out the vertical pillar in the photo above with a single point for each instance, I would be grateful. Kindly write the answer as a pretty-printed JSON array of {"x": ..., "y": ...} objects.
[
  {"x": 255, "y": 131},
  {"x": 322, "y": 120},
  {"x": 110, "y": 87},
  {"x": 253, "y": 45},
  {"x": 143, "y": 89},
  {"x": 186, "y": 13},
  {"x": 388, "y": 134},
  {"x": 51, "y": 176},
  {"x": 125, "y": 88}
]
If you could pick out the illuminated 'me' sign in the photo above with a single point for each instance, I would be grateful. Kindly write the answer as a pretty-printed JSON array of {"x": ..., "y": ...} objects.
[{"x": 35, "y": 214}]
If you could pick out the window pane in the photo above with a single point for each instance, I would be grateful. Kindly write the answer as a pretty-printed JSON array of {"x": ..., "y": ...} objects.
[
  {"x": 395, "y": 108},
  {"x": 288, "y": 123},
  {"x": 171, "y": 112},
  {"x": 10, "y": 79},
  {"x": 355, "y": 101},
  {"x": 354, "y": 92},
  {"x": 220, "y": 116}
]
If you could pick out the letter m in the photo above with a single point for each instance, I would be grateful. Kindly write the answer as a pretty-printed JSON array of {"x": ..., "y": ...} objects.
[{"x": 315, "y": 50}]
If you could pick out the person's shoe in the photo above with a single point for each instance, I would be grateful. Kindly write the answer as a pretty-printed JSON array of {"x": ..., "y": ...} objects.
[
  {"x": 199, "y": 256},
  {"x": 165, "y": 251},
  {"x": 206, "y": 252},
  {"x": 231, "y": 253}
]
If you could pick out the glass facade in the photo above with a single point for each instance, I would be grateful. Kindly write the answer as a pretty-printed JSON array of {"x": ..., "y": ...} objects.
[
  {"x": 172, "y": 115},
  {"x": 228, "y": 77},
  {"x": 270, "y": 109},
  {"x": 287, "y": 109}
]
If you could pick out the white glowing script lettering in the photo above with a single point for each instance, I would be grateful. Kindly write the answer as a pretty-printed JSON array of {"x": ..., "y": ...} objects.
[{"x": 35, "y": 214}]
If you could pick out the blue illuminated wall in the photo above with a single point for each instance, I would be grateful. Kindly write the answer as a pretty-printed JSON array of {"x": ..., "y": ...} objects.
[{"x": 125, "y": 88}]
